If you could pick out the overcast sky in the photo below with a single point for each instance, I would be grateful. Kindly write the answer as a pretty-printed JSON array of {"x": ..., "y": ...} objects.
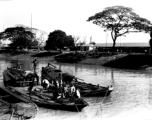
[{"x": 69, "y": 16}]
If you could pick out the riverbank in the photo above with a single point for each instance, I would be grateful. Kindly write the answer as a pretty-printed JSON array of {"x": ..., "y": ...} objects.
[
  {"x": 123, "y": 61},
  {"x": 28, "y": 55}
]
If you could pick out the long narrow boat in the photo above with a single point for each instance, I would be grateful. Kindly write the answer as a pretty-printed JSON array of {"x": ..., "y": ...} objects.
[
  {"x": 46, "y": 100},
  {"x": 86, "y": 89},
  {"x": 13, "y": 106},
  {"x": 42, "y": 99}
]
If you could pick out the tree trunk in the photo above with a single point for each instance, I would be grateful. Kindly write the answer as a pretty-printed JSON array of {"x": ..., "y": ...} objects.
[
  {"x": 76, "y": 50},
  {"x": 38, "y": 48},
  {"x": 113, "y": 47},
  {"x": 114, "y": 37},
  {"x": 150, "y": 43}
]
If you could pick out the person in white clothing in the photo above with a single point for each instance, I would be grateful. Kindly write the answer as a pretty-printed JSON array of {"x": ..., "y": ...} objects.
[
  {"x": 78, "y": 95},
  {"x": 73, "y": 90},
  {"x": 45, "y": 84}
]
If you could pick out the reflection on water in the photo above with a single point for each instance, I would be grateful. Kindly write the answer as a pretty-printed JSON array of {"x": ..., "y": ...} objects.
[{"x": 131, "y": 98}]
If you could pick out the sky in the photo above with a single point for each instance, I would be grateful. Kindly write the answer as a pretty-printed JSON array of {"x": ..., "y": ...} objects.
[{"x": 69, "y": 16}]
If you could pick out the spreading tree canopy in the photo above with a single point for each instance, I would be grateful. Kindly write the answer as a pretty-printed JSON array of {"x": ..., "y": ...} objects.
[
  {"x": 120, "y": 20},
  {"x": 58, "y": 40},
  {"x": 40, "y": 36},
  {"x": 20, "y": 37}
]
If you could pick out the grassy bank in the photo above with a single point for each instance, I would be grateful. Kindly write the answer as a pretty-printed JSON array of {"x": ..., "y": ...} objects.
[{"x": 125, "y": 61}]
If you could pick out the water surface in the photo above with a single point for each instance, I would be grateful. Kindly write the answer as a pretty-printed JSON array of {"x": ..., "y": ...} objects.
[{"x": 131, "y": 98}]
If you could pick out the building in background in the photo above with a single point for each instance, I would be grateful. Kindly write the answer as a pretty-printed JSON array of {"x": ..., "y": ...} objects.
[{"x": 119, "y": 47}]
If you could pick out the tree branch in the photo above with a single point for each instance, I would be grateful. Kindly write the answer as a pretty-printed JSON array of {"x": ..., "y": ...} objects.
[
  {"x": 112, "y": 34},
  {"x": 122, "y": 33},
  {"x": 127, "y": 32}
]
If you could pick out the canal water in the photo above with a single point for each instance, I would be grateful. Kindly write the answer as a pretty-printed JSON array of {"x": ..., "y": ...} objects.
[{"x": 130, "y": 100}]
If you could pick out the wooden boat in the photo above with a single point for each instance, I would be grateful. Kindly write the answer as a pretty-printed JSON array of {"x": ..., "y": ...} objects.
[
  {"x": 19, "y": 78},
  {"x": 42, "y": 99},
  {"x": 93, "y": 90},
  {"x": 46, "y": 100},
  {"x": 86, "y": 89},
  {"x": 15, "y": 107}
]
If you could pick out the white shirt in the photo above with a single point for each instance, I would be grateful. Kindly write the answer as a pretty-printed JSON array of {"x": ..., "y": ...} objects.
[
  {"x": 46, "y": 82},
  {"x": 78, "y": 93}
]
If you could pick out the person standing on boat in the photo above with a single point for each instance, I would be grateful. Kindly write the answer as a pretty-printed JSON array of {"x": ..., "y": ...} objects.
[
  {"x": 35, "y": 65},
  {"x": 56, "y": 89},
  {"x": 61, "y": 85},
  {"x": 73, "y": 90},
  {"x": 77, "y": 93},
  {"x": 65, "y": 90}
]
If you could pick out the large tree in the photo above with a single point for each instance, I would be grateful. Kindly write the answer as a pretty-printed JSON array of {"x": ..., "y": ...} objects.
[
  {"x": 120, "y": 20},
  {"x": 19, "y": 36},
  {"x": 40, "y": 36},
  {"x": 58, "y": 40}
]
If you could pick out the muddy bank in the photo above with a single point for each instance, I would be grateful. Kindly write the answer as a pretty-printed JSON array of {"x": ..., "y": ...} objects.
[
  {"x": 132, "y": 61},
  {"x": 102, "y": 60},
  {"x": 123, "y": 61}
]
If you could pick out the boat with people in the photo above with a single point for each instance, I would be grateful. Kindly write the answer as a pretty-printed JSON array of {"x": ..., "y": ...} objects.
[
  {"x": 14, "y": 107},
  {"x": 37, "y": 94},
  {"x": 46, "y": 100},
  {"x": 86, "y": 89}
]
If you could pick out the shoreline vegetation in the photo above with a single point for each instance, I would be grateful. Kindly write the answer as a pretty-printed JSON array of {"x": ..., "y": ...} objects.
[{"x": 118, "y": 60}]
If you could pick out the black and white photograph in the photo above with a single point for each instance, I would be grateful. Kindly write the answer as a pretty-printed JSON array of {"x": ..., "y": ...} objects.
[{"x": 75, "y": 60}]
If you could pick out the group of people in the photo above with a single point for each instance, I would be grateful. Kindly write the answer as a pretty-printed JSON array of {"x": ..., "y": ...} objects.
[{"x": 60, "y": 88}]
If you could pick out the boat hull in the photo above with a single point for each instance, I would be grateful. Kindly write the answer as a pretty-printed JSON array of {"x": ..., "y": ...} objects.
[
  {"x": 43, "y": 101},
  {"x": 95, "y": 93}
]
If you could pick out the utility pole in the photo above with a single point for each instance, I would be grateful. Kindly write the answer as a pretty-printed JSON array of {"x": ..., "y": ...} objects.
[
  {"x": 91, "y": 39},
  {"x": 31, "y": 21},
  {"x": 106, "y": 39}
]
